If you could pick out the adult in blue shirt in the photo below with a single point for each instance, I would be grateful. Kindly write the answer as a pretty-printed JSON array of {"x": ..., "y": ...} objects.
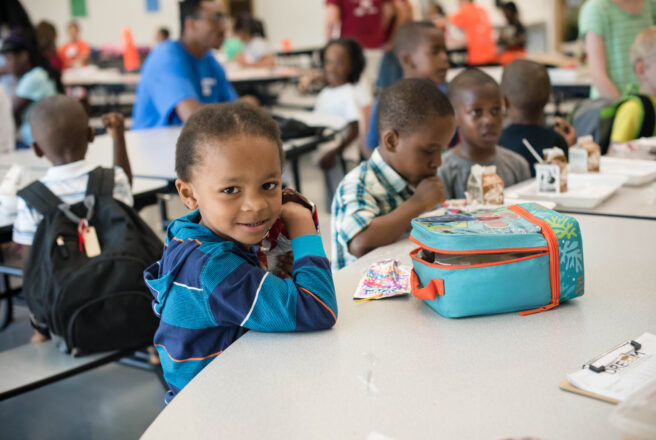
[{"x": 180, "y": 76}]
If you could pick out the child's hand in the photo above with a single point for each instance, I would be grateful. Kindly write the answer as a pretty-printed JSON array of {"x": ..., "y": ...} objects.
[
  {"x": 284, "y": 265},
  {"x": 307, "y": 80},
  {"x": 329, "y": 158},
  {"x": 298, "y": 220},
  {"x": 429, "y": 193},
  {"x": 565, "y": 129},
  {"x": 114, "y": 123}
]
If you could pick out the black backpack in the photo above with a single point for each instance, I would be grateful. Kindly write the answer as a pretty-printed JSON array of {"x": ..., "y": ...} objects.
[{"x": 91, "y": 304}]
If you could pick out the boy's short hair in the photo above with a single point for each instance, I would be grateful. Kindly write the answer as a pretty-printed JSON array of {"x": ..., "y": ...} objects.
[
  {"x": 409, "y": 35},
  {"x": 164, "y": 31},
  {"x": 59, "y": 123},
  {"x": 510, "y": 7},
  {"x": 221, "y": 122},
  {"x": 526, "y": 85},
  {"x": 407, "y": 104},
  {"x": 355, "y": 53},
  {"x": 467, "y": 80},
  {"x": 644, "y": 47}
]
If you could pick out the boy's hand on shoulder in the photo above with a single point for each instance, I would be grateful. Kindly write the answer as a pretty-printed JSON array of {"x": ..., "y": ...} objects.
[
  {"x": 114, "y": 123},
  {"x": 429, "y": 193},
  {"x": 298, "y": 219}
]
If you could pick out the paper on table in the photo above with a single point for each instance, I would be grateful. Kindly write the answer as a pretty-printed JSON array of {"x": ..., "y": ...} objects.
[{"x": 627, "y": 373}]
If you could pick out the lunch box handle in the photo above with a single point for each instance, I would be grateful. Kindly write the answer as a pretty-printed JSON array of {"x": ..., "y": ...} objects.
[{"x": 433, "y": 288}]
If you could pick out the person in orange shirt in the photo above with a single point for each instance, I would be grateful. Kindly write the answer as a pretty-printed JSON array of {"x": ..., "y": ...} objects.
[
  {"x": 76, "y": 52},
  {"x": 475, "y": 23}
]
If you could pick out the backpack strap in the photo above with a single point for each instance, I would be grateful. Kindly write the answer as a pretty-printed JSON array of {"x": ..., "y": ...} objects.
[
  {"x": 39, "y": 197},
  {"x": 101, "y": 182},
  {"x": 648, "y": 117}
]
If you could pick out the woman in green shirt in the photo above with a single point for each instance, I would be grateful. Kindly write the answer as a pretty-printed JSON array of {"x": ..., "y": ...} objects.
[{"x": 609, "y": 27}]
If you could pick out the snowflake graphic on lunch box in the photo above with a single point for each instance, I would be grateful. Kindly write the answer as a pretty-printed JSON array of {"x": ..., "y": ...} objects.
[{"x": 563, "y": 227}]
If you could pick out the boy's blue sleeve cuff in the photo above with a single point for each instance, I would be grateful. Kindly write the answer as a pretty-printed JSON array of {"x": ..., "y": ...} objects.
[{"x": 307, "y": 245}]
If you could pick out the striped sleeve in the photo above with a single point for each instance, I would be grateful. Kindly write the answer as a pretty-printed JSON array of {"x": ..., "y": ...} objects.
[
  {"x": 255, "y": 299},
  {"x": 592, "y": 19}
]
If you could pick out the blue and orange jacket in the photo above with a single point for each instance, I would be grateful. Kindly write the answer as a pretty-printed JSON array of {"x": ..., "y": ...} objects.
[{"x": 209, "y": 291}]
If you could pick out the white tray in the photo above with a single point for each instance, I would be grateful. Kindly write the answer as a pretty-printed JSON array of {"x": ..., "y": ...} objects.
[
  {"x": 638, "y": 172},
  {"x": 584, "y": 190}
]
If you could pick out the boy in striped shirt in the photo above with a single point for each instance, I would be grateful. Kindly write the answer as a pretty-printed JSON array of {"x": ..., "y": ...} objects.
[{"x": 209, "y": 288}]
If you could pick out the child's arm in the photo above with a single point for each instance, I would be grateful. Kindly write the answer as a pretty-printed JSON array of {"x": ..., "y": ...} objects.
[
  {"x": 253, "y": 298},
  {"x": 24, "y": 255},
  {"x": 386, "y": 229},
  {"x": 328, "y": 160},
  {"x": 596, "y": 50},
  {"x": 116, "y": 129}
]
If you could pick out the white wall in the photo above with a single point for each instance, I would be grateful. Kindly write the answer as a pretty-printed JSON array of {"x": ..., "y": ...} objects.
[
  {"x": 300, "y": 21},
  {"x": 105, "y": 18}
]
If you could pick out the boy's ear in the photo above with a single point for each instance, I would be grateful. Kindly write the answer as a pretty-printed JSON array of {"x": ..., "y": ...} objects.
[
  {"x": 505, "y": 102},
  {"x": 389, "y": 140},
  {"x": 186, "y": 192},
  {"x": 37, "y": 150},
  {"x": 91, "y": 135},
  {"x": 407, "y": 62},
  {"x": 639, "y": 67}
]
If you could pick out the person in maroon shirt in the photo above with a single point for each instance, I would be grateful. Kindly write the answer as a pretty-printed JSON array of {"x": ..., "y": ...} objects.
[{"x": 365, "y": 21}]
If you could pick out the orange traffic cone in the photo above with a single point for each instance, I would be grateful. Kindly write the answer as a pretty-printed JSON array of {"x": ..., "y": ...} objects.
[{"x": 130, "y": 54}]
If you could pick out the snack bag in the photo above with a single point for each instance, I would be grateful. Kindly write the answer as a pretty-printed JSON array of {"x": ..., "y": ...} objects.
[
  {"x": 383, "y": 279},
  {"x": 484, "y": 185},
  {"x": 275, "y": 251},
  {"x": 556, "y": 156}
]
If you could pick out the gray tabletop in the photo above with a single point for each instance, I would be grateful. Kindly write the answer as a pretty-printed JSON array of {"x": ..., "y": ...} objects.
[
  {"x": 152, "y": 151},
  {"x": 396, "y": 369},
  {"x": 628, "y": 201}
]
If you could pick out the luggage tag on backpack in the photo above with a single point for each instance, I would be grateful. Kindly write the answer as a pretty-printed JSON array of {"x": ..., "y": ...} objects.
[{"x": 88, "y": 237}]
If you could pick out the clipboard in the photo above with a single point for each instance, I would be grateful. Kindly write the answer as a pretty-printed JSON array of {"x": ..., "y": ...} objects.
[
  {"x": 567, "y": 386},
  {"x": 618, "y": 372}
]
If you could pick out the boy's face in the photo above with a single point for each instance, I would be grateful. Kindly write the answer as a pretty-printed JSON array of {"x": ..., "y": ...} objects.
[
  {"x": 237, "y": 188},
  {"x": 73, "y": 32},
  {"x": 336, "y": 65},
  {"x": 417, "y": 155},
  {"x": 16, "y": 62},
  {"x": 429, "y": 60},
  {"x": 478, "y": 116},
  {"x": 646, "y": 73}
]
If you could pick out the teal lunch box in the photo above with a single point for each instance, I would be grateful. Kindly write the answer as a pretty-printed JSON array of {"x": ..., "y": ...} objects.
[{"x": 514, "y": 258}]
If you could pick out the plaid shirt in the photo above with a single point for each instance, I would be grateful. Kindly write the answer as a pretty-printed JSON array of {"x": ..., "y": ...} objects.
[{"x": 368, "y": 191}]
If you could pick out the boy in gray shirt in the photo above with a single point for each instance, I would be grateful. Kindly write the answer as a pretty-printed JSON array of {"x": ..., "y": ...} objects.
[{"x": 476, "y": 99}]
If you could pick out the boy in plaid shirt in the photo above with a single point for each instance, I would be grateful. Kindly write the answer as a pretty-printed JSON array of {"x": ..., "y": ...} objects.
[{"x": 375, "y": 202}]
